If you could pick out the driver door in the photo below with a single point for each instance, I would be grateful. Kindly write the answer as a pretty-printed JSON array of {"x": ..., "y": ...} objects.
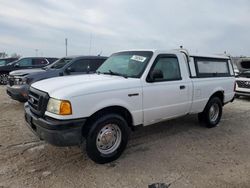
[{"x": 168, "y": 96}]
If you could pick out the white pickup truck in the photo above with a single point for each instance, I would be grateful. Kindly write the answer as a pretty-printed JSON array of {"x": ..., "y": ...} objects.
[{"x": 131, "y": 88}]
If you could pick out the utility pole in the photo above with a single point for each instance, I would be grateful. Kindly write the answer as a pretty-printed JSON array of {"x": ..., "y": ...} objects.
[
  {"x": 36, "y": 52},
  {"x": 66, "y": 46},
  {"x": 90, "y": 44}
]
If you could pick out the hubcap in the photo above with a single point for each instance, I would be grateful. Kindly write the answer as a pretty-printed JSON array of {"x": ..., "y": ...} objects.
[
  {"x": 108, "y": 138},
  {"x": 214, "y": 112}
]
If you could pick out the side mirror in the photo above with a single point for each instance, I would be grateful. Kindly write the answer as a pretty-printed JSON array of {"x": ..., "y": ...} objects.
[
  {"x": 17, "y": 65},
  {"x": 155, "y": 75},
  {"x": 69, "y": 70}
]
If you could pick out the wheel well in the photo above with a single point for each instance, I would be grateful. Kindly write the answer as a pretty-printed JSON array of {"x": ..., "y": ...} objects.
[
  {"x": 220, "y": 95},
  {"x": 112, "y": 109}
]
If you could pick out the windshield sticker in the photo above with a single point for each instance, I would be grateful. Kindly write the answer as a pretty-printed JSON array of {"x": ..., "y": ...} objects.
[{"x": 138, "y": 58}]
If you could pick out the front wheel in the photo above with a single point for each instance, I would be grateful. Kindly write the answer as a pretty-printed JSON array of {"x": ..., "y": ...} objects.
[
  {"x": 3, "y": 78},
  {"x": 212, "y": 113},
  {"x": 107, "y": 138}
]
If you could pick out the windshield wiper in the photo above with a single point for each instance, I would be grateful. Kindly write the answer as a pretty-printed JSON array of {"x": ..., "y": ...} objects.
[
  {"x": 117, "y": 74},
  {"x": 110, "y": 72}
]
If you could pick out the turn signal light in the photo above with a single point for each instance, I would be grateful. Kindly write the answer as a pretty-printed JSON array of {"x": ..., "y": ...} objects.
[{"x": 65, "y": 108}]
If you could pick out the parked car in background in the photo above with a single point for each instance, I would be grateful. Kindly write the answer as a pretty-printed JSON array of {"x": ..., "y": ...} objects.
[
  {"x": 236, "y": 70},
  {"x": 131, "y": 88},
  {"x": 5, "y": 61},
  {"x": 20, "y": 80},
  {"x": 23, "y": 63},
  {"x": 243, "y": 78}
]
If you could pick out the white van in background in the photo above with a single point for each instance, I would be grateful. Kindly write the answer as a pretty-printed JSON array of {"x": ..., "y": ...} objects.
[{"x": 243, "y": 78}]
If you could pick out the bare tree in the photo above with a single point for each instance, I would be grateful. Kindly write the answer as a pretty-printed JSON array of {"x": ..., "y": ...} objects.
[
  {"x": 15, "y": 55},
  {"x": 3, "y": 55}
]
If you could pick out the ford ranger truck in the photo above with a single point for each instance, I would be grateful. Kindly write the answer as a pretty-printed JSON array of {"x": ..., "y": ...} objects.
[{"x": 131, "y": 88}]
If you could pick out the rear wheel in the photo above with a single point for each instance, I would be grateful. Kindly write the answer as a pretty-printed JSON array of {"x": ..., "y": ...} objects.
[
  {"x": 212, "y": 113},
  {"x": 107, "y": 138},
  {"x": 236, "y": 96},
  {"x": 3, "y": 78}
]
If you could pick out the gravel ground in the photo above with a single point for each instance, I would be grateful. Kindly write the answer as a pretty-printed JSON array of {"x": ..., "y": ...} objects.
[{"x": 179, "y": 153}]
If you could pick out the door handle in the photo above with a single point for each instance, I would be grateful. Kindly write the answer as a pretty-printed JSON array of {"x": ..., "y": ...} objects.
[{"x": 182, "y": 87}]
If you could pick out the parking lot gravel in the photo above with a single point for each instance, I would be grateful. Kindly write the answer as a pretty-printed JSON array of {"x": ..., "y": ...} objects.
[{"x": 179, "y": 153}]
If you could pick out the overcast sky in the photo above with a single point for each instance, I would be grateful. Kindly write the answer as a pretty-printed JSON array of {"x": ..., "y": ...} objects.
[{"x": 212, "y": 26}]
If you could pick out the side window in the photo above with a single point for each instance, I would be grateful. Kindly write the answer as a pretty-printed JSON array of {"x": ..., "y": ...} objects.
[
  {"x": 207, "y": 67},
  {"x": 39, "y": 62},
  {"x": 80, "y": 66},
  {"x": 95, "y": 64},
  {"x": 25, "y": 62},
  {"x": 2, "y": 62},
  {"x": 168, "y": 66}
]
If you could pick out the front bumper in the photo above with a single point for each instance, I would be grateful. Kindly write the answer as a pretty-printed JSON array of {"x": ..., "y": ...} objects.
[
  {"x": 19, "y": 92},
  {"x": 241, "y": 93},
  {"x": 55, "y": 132}
]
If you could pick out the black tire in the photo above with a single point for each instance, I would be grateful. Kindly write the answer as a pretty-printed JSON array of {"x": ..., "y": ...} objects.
[
  {"x": 95, "y": 130},
  {"x": 3, "y": 78},
  {"x": 236, "y": 96},
  {"x": 204, "y": 117}
]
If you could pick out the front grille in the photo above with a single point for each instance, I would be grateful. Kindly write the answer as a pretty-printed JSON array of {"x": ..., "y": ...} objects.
[
  {"x": 38, "y": 101},
  {"x": 243, "y": 84}
]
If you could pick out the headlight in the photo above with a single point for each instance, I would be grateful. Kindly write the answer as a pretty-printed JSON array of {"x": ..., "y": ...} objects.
[
  {"x": 20, "y": 81},
  {"x": 60, "y": 107}
]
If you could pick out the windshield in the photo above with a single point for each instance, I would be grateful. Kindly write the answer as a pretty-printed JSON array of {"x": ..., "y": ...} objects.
[
  {"x": 59, "y": 63},
  {"x": 127, "y": 64},
  {"x": 13, "y": 62}
]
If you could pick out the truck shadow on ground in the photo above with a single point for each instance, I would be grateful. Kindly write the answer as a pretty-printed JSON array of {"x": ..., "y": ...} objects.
[
  {"x": 144, "y": 136},
  {"x": 141, "y": 140},
  {"x": 247, "y": 99}
]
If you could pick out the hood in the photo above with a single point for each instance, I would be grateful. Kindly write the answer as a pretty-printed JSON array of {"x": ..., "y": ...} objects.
[
  {"x": 25, "y": 72},
  {"x": 70, "y": 86},
  {"x": 243, "y": 64}
]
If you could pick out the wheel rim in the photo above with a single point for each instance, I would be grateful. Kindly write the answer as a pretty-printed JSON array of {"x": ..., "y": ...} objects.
[
  {"x": 4, "y": 79},
  {"x": 108, "y": 138},
  {"x": 214, "y": 112},
  {"x": 1, "y": 79}
]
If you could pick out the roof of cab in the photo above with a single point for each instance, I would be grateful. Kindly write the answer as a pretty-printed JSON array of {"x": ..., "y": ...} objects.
[
  {"x": 84, "y": 56},
  {"x": 217, "y": 56}
]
